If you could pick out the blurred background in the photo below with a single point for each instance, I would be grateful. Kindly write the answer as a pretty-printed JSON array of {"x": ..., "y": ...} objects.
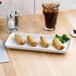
[{"x": 28, "y": 7}]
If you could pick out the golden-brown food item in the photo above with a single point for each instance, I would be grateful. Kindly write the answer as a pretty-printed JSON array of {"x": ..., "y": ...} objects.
[
  {"x": 31, "y": 40},
  {"x": 58, "y": 44},
  {"x": 44, "y": 42},
  {"x": 19, "y": 39}
]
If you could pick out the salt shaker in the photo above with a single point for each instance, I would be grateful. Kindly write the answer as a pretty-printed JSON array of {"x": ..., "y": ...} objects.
[{"x": 10, "y": 23}]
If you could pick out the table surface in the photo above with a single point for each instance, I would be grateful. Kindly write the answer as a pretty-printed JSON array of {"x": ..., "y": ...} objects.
[{"x": 30, "y": 63}]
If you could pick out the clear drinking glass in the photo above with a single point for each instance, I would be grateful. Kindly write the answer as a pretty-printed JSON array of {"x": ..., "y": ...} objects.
[
  {"x": 50, "y": 12},
  {"x": 13, "y": 21}
]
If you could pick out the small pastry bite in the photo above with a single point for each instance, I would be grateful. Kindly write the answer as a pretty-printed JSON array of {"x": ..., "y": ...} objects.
[
  {"x": 19, "y": 39},
  {"x": 44, "y": 42},
  {"x": 58, "y": 44},
  {"x": 32, "y": 41}
]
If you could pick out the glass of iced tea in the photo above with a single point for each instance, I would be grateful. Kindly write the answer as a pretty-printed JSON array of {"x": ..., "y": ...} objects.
[{"x": 50, "y": 11}]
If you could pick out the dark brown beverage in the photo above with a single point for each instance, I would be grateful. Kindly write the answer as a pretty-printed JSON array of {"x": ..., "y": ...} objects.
[
  {"x": 50, "y": 12},
  {"x": 0, "y": 2}
]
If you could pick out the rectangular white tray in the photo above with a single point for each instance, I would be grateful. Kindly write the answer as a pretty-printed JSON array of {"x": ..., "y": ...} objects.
[{"x": 11, "y": 43}]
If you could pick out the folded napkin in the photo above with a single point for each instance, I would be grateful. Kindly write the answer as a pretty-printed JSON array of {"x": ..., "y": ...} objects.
[{"x": 3, "y": 53}]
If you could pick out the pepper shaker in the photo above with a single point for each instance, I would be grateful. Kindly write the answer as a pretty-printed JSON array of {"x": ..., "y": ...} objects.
[{"x": 16, "y": 18}]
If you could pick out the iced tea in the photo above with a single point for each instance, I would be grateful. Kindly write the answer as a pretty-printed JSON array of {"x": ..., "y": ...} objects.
[{"x": 50, "y": 11}]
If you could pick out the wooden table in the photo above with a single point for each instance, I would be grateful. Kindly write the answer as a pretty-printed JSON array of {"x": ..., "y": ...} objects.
[{"x": 29, "y": 63}]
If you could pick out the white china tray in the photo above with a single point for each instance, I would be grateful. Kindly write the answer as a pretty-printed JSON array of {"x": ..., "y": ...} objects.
[{"x": 11, "y": 43}]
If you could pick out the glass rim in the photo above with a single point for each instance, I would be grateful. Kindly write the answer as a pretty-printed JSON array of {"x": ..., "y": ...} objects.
[{"x": 44, "y": 3}]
